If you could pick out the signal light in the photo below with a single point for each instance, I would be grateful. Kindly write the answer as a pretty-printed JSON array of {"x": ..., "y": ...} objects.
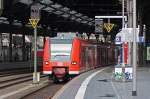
[
  {"x": 74, "y": 63},
  {"x": 46, "y": 63}
]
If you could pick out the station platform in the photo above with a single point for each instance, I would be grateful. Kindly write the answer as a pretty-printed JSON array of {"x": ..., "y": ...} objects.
[
  {"x": 18, "y": 65},
  {"x": 15, "y": 65},
  {"x": 99, "y": 84}
]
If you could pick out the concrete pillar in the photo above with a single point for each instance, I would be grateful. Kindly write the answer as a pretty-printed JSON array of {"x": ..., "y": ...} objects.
[
  {"x": 24, "y": 55},
  {"x": 10, "y": 39},
  {"x": 1, "y": 57},
  {"x": 23, "y": 48},
  {"x": 10, "y": 47}
]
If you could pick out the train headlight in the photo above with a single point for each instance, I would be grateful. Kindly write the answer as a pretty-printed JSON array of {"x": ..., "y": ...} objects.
[
  {"x": 46, "y": 63},
  {"x": 73, "y": 62}
]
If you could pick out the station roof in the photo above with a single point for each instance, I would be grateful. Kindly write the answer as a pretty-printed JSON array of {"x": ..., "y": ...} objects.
[{"x": 62, "y": 15}]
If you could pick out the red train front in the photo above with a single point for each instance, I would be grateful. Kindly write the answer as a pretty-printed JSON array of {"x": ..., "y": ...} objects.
[{"x": 65, "y": 57}]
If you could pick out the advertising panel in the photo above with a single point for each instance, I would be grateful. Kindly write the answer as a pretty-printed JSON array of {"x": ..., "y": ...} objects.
[
  {"x": 128, "y": 73},
  {"x": 118, "y": 73},
  {"x": 148, "y": 53}
]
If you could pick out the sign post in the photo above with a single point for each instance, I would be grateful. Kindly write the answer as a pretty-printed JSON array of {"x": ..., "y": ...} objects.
[
  {"x": 35, "y": 17},
  {"x": 1, "y": 7},
  {"x": 134, "y": 87}
]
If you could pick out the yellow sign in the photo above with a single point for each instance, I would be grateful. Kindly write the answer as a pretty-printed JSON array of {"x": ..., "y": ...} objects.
[
  {"x": 34, "y": 22},
  {"x": 108, "y": 26}
]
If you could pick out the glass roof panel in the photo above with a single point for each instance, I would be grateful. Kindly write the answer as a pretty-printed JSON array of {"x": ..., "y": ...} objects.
[
  {"x": 56, "y": 6},
  {"x": 65, "y": 9},
  {"x": 65, "y": 15},
  {"x": 58, "y": 12},
  {"x": 49, "y": 9}
]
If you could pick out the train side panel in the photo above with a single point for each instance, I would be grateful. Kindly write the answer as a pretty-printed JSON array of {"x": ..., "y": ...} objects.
[
  {"x": 88, "y": 56},
  {"x": 74, "y": 67},
  {"x": 47, "y": 69}
]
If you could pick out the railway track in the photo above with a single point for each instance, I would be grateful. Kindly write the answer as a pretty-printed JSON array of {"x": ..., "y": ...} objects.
[
  {"x": 9, "y": 72},
  {"x": 46, "y": 92},
  {"x": 10, "y": 80}
]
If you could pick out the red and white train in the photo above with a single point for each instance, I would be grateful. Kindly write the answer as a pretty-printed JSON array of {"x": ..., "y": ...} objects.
[{"x": 65, "y": 58}]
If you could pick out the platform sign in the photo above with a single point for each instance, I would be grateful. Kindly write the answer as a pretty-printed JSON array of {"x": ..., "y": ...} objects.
[
  {"x": 34, "y": 22},
  {"x": 35, "y": 15},
  {"x": 118, "y": 40},
  {"x": 108, "y": 26},
  {"x": 35, "y": 11},
  {"x": 127, "y": 34},
  {"x": 99, "y": 26}
]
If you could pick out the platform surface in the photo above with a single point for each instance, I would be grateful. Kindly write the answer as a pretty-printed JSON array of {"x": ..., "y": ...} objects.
[{"x": 99, "y": 84}]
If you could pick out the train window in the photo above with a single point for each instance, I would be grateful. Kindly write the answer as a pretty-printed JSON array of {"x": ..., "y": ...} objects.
[
  {"x": 60, "y": 49},
  {"x": 60, "y": 58},
  {"x": 61, "y": 41}
]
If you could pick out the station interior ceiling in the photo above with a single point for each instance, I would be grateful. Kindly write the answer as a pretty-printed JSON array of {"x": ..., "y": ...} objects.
[{"x": 65, "y": 15}]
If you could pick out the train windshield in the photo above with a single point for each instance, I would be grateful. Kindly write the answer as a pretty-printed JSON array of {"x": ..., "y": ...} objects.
[
  {"x": 60, "y": 58},
  {"x": 61, "y": 41},
  {"x": 60, "y": 49}
]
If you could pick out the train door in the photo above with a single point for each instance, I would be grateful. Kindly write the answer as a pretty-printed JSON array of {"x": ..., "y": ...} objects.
[
  {"x": 95, "y": 56},
  {"x": 83, "y": 58},
  {"x": 99, "y": 57},
  {"x": 91, "y": 57},
  {"x": 86, "y": 58},
  {"x": 103, "y": 56},
  {"x": 106, "y": 55}
]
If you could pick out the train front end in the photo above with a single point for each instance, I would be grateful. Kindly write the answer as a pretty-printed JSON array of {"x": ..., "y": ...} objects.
[
  {"x": 60, "y": 59},
  {"x": 58, "y": 62}
]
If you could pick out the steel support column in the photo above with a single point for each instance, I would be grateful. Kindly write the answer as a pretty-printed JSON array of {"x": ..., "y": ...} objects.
[{"x": 134, "y": 89}]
